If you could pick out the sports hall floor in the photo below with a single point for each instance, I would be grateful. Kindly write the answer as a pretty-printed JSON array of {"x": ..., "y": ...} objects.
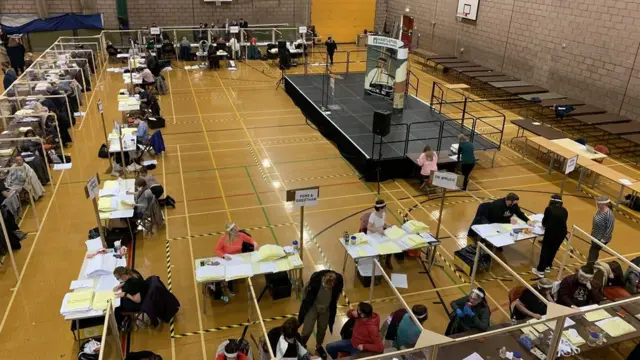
[{"x": 234, "y": 144}]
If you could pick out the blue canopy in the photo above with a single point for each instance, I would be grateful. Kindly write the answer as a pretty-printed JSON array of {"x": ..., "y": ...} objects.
[{"x": 56, "y": 23}]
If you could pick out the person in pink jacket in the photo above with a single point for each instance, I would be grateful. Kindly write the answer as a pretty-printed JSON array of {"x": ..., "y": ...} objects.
[
  {"x": 365, "y": 335},
  {"x": 428, "y": 162}
]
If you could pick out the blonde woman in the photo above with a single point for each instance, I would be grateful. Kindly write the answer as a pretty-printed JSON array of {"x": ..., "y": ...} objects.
[
  {"x": 428, "y": 162},
  {"x": 232, "y": 242}
]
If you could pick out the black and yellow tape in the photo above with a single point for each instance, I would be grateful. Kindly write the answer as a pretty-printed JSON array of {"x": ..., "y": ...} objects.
[
  {"x": 222, "y": 232},
  {"x": 233, "y": 326},
  {"x": 323, "y": 177},
  {"x": 255, "y": 159},
  {"x": 167, "y": 250}
]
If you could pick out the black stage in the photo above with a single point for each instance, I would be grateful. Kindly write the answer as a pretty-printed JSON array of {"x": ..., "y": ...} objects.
[{"x": 351, "y": 117}]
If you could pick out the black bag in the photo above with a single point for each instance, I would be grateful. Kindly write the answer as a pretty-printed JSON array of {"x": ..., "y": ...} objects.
[
  {"x": 103, "y": 153},
  {"x": 247, "y": 247},
  {"x": 347, "y": 329},
  {"x": 618, "y": 275},
  {"x": 279, "y": 285},
  {"x": 157, "y": 122},
  {"x": 143, "y": 355}
]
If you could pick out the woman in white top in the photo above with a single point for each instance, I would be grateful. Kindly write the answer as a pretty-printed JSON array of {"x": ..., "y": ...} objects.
[{"x": 377, "y": 223}]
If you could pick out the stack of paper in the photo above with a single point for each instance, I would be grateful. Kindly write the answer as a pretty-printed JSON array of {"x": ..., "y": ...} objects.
[
  {"x": 615, "y": 326},
  {"x": 387, "y": 248},
  {"x": 269, "y": 252},
  {"x": 597, "y": 315},
  {"x": 93, "y": 245},
  {"x": 573, "y": 337},
  {"x": 295, "y": 260},
  {"x": 567, "y": 322},
  {"x": 415, "y": 227},
  {"x": 394, "y": 233},
  {"x": 238, "y": 272},
  {"x": 101, "y": 299},
  {"x": 77, "y": 301},
  {"x": 107, "y": 204},
  {"x": 282, "y": 265},
  {"x": 101, "y": 264},
  {"x": 81, "y": 284},
  {"x": 364, "y": 250},
  {"x": 267, "y": 267},
  {"x": 210, "y": 273},
  {"x": 414, "y": 241}
]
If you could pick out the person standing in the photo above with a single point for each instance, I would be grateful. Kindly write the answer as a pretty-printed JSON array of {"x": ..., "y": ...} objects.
[
  {"x": 555, "y": 230},
  {"x": 331, "y": 48},
  {"x": 466, "y": 158},
  {"x": 16, "y": 52},
  {"x": 602, "y": 228},
  {"x": 319, "y": 305},
  {"x": 428, "y": 162}
]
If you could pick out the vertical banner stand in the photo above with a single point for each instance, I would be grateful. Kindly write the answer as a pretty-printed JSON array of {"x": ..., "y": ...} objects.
[
  {"x": 302, "y": 197},
  {"x": 570, "y": 166},
  {"x": 91, "y": 191},
  {"x": 118, "y": 128},
  {"x": 445, "y": 180}
]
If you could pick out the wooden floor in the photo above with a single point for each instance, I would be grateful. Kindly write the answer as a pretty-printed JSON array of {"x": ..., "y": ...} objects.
[{"x": 234, "y": 144}]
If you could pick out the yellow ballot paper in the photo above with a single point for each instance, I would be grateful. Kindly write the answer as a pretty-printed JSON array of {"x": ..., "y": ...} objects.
[
  {"x": 101, "y": 299},
  {"x": 416, "y": 240},
  {"x": 361, "y": 238},
  {"x": 615, "y": 326},
  {"x": 270, "y": 252},
  {"x": 597, "y": 315},
  {"x": 110, "y": 185},
  {"x": 573, "y": 337},
  {"x": 387, "y": 248},
  {"x": 106, "y": 204},
  {"x": 416, "y": 227},
  {"x": 80, "y": 299},
  {"x": 282, "y": 265},
  {"x": 394, "y": 233},
  {"x": 540, "y": 327}
]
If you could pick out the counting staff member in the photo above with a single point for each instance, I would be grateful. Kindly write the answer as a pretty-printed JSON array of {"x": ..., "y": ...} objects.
[
  {"x": 132, "y": 291},
  {"x": 233, "y": 242},
  {"x": 555, "y": 230},
  {"x": 469, "y": 313},
  {"x": 576, "y": 290},
  {"x": 528, "y": 305},
  {"x": 377, "y": 223}
]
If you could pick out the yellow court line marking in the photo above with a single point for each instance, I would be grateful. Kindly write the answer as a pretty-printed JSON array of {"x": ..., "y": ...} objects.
[
  {"x": 245, "y": 149},
  {"x": 173, "y": 108},
  {"x": 193, "y": 270},
  {"x": 213, "y": 161},
  {"x": 26, "y": 263},
  {"x": 507, "y": 177}
]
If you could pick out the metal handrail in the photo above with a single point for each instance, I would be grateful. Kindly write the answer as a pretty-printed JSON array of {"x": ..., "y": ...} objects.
[{"x": 439, "y": 138}]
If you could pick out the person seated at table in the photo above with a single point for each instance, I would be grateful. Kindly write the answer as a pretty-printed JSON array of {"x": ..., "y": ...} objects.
[
  {"x": 469, "y": 313},
  {"x": 576, "y": 290},
  {"x": 185, "y": 49},
  {"x": 156, "y": 188},
  {"x": 632, "y": 278},
  {"x": 146, "y": 207},
  {"x": 377, "y": 223},
  {"x": 132, "y": 290},
  {"x": 504, "y": 209},
  {"x": 286, "y": 342},
  {"x": 111, "y": 49},
  {"x": 529, "y": 306},
  {"x": 234, "y": 241},
  {"x": 365, "y": 335},
  {"x": 19, "y": 174},
  {"x": 428, "y": 162},
  {"x": 408, "y": 331},
  {"x": 146, "y": 75}
]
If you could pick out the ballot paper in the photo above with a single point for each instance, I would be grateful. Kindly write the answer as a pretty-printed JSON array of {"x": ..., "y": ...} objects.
[
  {"x": 400, "y": 280},
  {"x": 573, "y": 337},
  {"x": 474, "y": 356},
  {"x": 267, "y": 267},
  {"x": 93, "y": 245},
  {"x": 62, "y": 166},
  {"x": 394, "y": 233},
  {"x": 615, "y": 326},
  {"x": 597, "y": 315},
  {"x": 101, "y": 264},
  {"x": 625, "y": 182},
  {"x": 108, "y": 192},
  {"x": 107, "y": 282},
  {"x": 101, "y": 299},
  {"x": 295, "y": 260},
  {"x": 360, "y": 251},
  {"x": 387, "y": 248},
  {"x": 210, "y": 273},
  {"x": 500, "y": 240},
  {"x": 81, "y": 284},
  {"x": 567, "y": 322},
  {"x": 238, "y": 272}
]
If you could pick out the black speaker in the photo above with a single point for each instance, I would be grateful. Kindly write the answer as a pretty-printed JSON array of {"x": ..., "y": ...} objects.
[{"x": 381, "y": 122}]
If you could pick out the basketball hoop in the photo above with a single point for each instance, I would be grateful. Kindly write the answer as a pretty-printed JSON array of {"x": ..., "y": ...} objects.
[{"x": 462, "y": 14}]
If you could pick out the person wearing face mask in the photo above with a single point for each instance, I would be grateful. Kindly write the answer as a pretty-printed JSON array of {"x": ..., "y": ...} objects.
[
  {"x": 132, "y": 291},
  {"x": 555, "y": 230},
  {"x": 469, "y": 313},
  {"x": 408, "y": 331},
  {"x": 146, "y": 207},
  {"x": 576, "y": 290},
  {"x": 502, "y": 210},
  {"x": 319, "y": 306},
  {"x": 602, "y": 227},
  {"x": 231, "y": 352},
  {"x": 233, "y": 242},
  {"x": 365, "y": 336},
  {"x": 286, "y": 342},
  {"x": 378, "y": 223},
  {"x": 529, "y": 306}
]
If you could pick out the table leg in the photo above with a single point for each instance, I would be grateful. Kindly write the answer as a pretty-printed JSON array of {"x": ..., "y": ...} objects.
[
  {"x": 550, "y": 163},
  {"x": 204, "y": 297},
  {"x": 493, "y": 160},
  {"x": 524, "y": 153},
  {"x": 620, "y": 195},
  {"x": 344, "y": 263},
  {"x": 433, "y": 257},
  {"x": 580, "y": 177}
]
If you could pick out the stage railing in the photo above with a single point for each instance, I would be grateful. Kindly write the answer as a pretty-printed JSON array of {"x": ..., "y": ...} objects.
[{"x": 440, "y": 132}]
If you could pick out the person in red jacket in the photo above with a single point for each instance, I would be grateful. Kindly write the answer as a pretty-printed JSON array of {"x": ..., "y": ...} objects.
[{"x": 366, "y": 333}]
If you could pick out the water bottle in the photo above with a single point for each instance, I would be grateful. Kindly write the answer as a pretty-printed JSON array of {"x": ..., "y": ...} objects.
[
  {"x": 516, "y": 356},
  {"x": 296, "y": 246},
  {"x": 346, "y": 238},
  {"x": 593, "y": 338}
]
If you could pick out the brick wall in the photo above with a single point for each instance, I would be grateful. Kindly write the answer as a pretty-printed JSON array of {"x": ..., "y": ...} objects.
[
  {"x": 581, "y": 48},
  {"x": 190, "y": 12}
]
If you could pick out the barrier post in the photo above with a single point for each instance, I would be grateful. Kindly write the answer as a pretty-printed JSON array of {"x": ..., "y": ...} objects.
[
  {"x": 348, "y": 59},
  {"x": 9, "y": 249}
]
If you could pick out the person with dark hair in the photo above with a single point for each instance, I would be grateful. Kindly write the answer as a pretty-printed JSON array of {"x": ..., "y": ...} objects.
[
  {"x": 378, "y": 223},
  {"x": 502, "y": 210},
  {"x": 602, "y": 227},
  {"x": 529, "y": 306},
  {"x": 408, "y": 331},
  {"x": 319, "y": 306},
  {"x": 365, "y": 336},
  {"x": 16, "y": 52},
  {"x": 331, "y": 49},
  {"x": 576, "y": 290},
  {"x": 231, "y": 352},
  {"x": 286, "y": 342},
  {"x": 469, "y": 313},
  {"x": 146, "y": 75},
  {"x": 132, "y": 290},
  {"x": 555, "y": 230},
  {"x": 466, "y": 158}
]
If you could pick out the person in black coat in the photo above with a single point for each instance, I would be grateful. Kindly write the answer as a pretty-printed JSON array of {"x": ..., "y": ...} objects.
[
  {"x": 286, "y": 341},
  {"x": 16, "y": 51},
  {"x": 9, "y": 78},
  {"x": 331, "y": 48},
  {"x": 319, "y": 305},
  {"x": 502, "y": 210},
  {"x": 555, "y": 230}
]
